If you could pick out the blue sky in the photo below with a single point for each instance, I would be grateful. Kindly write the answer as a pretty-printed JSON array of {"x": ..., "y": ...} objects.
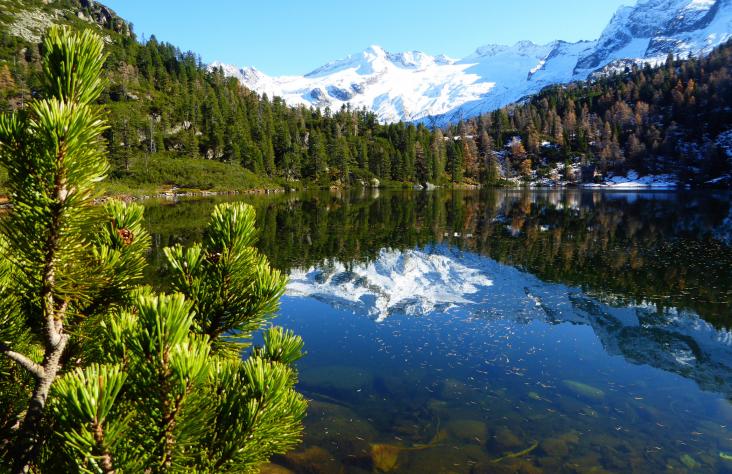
[{"x": 296, "y": 36}]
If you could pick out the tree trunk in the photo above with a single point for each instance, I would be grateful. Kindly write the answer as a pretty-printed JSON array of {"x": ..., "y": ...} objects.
[{"x": 29, "y": 435}]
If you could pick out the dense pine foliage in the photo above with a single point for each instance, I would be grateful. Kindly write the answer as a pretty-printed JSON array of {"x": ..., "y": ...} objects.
[
  {"x": 98, "y": 374},
  {"x": 166, "y": 108}
]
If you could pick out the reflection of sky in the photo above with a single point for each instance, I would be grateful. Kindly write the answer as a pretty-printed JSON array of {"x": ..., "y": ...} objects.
[{"x": 462, "y": 308}]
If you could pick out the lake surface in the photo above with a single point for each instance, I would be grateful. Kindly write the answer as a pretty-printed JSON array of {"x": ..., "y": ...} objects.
[{"x": 509, "y": 331}]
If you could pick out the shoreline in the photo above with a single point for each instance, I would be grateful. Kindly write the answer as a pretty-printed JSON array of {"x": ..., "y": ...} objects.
[{"x": 173, "y": 195}]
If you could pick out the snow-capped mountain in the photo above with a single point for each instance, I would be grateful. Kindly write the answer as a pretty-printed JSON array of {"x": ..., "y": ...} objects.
[{"x": 414, "y": 86}]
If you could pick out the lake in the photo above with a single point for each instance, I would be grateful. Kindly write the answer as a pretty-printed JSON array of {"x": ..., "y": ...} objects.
[{"x": 503, "y": 331}]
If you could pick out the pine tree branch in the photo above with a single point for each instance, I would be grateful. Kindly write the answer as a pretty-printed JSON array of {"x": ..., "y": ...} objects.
[
  {"x": 107, "y": 464},
  {"x": 35, "y": 369}
]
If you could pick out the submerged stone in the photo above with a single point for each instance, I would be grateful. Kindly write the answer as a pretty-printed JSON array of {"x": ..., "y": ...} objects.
[
  {"x": 336, "y": 378},
  {"x": 505, "y": 440},
  {"x": 510, "y": 466},
  {"x": 274, "y": 469},
  {"x": 453, "y": 389},
  {"x": 385, "y": 457},
  {"x": 555, "y": 447},
  {"x": 584, "y": 389},
  {"x": 312, "y": 459},
  {"x": 688, "y": 461},
  {"x": 444, "y": 459},
  {"x": 339, "y": 420},
  {"x": 470, "y": 431},
  {"x": 724, "y": 409}
]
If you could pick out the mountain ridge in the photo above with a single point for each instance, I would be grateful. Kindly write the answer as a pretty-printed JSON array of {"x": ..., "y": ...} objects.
[{"x": 416, "y": 87}]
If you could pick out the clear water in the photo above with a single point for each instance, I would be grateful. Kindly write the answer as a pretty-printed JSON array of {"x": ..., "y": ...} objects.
[{"x": 502, "y": 332}]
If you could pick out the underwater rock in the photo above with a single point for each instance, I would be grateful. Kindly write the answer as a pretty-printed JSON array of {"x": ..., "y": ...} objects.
[
  {"x": 550, "y": 463},
  {"x": 588, "y": 391},
  {"x": 385, "y": 457},
  {"x": 390, "y": 385},
  {"x": 725, "y": 443},
  {"x": 555, "y": 447},
  {"x": 444, "y": 459},
  {"x": 335, "y": 381},
  {"x": 511, "y": 466},
  {"x": 724, "y": 409},
  {"x": 470, "y": 431},
  {"x": 406, "y": 428},
  {"x": 312, "y": 459},
  {"x": 326, "y": 420},
  {"x": 453, "y": 389},
  {"x": 274, "y": 469},
  {"x": 505, "y": 440},
  {"x": 589, "y": 462},
  {"x": 438, "y": 406},
  {"x": 649, "y": 412},
  {"x": 689, "y": 462},
  {"x": 571, "y": 437}
]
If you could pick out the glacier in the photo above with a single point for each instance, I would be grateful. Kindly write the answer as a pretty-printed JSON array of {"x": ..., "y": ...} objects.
[{"x": 417, "y": 87}]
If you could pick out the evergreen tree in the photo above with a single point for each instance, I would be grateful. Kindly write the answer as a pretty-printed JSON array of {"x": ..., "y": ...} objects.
[
  {"x": 492, "y": 172},
  {"x": 105, "y": 376},
  {"x": 439, "y": 155}
]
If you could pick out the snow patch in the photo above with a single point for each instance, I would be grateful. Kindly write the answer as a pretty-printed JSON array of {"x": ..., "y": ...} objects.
[{"x": 632, "y": 181}]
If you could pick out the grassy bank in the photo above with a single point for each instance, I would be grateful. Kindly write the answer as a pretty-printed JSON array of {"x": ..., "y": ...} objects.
[{"x": 160, "y": 173}]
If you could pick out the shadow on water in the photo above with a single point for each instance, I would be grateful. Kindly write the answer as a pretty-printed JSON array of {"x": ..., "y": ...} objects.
[{"x": 508, "y": 331}]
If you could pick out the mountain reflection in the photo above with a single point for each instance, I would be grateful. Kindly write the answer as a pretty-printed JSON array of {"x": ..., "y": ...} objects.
[
  {"x": 664, "y": 249},
  {"x": 438, "y": 279},
  {"x": 411, "y": 282}
]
